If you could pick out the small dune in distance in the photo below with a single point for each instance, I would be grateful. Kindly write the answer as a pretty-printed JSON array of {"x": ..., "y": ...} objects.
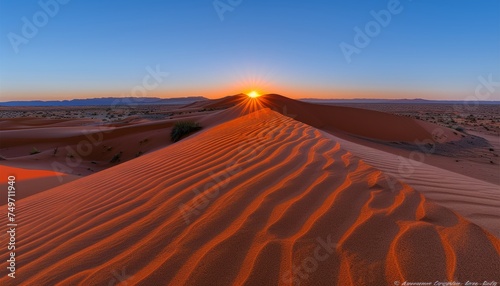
[{"x": 252, "y": 189}]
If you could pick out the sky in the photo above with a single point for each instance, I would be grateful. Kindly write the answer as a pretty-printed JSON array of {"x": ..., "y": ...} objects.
[{"x": 63, "y": 49}]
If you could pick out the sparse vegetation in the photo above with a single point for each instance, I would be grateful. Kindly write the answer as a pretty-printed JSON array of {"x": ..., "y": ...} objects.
[
  {"x": 34, "y": 151},
  {"x": 116, "y": 158},
  {"x": 183, "y": 128}
]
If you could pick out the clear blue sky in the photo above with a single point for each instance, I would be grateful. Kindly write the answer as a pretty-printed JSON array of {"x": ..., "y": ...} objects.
[{"x": 429, "y": 49}]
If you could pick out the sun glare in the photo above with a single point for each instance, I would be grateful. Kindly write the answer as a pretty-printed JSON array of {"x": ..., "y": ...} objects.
[{"x": 253, "y": 94}]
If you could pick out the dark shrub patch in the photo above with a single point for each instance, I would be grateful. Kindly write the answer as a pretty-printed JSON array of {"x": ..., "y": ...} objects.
[{"x": 183, "y": 128}]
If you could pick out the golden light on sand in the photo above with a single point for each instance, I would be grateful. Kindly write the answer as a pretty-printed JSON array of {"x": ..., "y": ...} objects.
[{"x": 253, "y": 94}]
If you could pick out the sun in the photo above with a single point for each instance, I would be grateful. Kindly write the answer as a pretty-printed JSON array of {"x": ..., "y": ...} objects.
[{"x": 253, "y": 94}]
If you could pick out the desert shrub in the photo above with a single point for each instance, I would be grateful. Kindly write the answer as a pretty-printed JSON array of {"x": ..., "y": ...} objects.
[
  {"x": 183, "y": 128},
  {"x": 116, "y": 158}
]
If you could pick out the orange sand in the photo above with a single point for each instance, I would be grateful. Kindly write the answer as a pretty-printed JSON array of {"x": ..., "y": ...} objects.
[
  {"x": 29, "y": 182},
  {"x": 250, "y": 201},
  {"x": 25, "y": 174}
]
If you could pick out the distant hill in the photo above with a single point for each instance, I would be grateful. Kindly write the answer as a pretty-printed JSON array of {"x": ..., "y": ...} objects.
[
  {"x": 371, "y": 100},
  {"x": 107, "y": 101}
]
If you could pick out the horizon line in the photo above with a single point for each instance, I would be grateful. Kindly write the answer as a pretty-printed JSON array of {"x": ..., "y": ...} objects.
[{"x": 201, "y": 97}]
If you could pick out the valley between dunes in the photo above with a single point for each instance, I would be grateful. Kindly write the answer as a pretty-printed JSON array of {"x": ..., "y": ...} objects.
[{"x": 259, "y": 198}]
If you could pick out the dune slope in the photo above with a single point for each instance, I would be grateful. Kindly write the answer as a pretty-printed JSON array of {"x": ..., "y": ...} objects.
[
  {"x": 363, "y": 123},
  {"x": 476, "y": 200},
  {"x": 259, "y": 200},
  {"x": 29, "y": 182}
]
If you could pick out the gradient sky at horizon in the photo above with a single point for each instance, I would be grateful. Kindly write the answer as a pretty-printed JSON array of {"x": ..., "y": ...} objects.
[{"x": 431, "y": 49}]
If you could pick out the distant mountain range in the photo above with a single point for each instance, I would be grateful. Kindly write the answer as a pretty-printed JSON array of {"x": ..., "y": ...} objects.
[
  {"x": 107, "y": 101},
  {"x": 371, "y": 100},
  {"x": 117, "y": 101}
]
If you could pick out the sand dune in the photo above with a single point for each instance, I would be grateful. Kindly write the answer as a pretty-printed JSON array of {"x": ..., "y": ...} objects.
[
  {"x": 29, "y": 122},
  {"x": 29, "y": 182},
  {"x": 58, "y": 139},
  {"x": 397, "y": 134},
  {"x": 476, "y": 200},
  {"x": 80, "y": 150},
  {"x": 259, "y": 200},
  {"x": 355, "y": 121}
]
